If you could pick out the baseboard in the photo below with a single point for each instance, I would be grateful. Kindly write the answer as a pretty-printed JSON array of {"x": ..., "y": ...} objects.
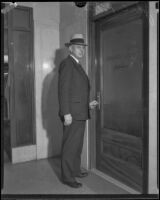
[
  {"x": 23, "y": 154},
  {"x": 115, "y": 182}
]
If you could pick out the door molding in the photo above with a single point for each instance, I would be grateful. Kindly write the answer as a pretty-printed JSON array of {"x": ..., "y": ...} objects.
[
  {"x": 92, "y": 75},
  {"x": 115, "y": 182},
  {"x": 24, "y": 153},
  {"x": 24, "y": 28}
]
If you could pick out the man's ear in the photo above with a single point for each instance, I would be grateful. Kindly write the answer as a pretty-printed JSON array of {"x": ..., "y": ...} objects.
[{"x": 70, "y": 48}]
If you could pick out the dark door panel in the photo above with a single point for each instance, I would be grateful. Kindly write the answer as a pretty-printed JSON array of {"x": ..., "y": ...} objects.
[
  {"x": 21, "y": 76},
  {"x": 23, "y": 87}
]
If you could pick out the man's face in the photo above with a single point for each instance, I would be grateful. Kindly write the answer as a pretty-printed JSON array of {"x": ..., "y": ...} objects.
[{"x": 78, "y": 50}]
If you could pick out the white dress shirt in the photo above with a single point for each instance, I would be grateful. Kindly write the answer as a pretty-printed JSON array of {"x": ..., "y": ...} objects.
[{"x": 75, "y": 58}]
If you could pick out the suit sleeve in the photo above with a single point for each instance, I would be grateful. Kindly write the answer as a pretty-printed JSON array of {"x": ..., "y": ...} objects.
[{"x": 65, "y": 77}]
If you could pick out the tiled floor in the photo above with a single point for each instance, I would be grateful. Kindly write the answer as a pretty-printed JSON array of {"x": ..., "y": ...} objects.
[{"x": 43, "y": 177}]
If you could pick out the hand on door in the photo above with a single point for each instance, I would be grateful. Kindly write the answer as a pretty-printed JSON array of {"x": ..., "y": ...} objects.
[{"x": 93, "y": 104}]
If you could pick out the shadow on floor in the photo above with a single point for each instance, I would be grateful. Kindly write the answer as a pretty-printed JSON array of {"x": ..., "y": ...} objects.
[
  {"x": 92, "y": 181},
  {"x": 55, "y": 163},
  {"x": 7, "y": 141},
  {"x": 44, "y": 177}
]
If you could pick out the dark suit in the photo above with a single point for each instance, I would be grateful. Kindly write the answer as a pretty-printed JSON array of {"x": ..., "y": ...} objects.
[{"x": 73, "y": 88}]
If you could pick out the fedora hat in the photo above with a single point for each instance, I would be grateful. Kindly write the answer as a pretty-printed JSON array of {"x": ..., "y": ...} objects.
[{"x": 76, "y": 39}]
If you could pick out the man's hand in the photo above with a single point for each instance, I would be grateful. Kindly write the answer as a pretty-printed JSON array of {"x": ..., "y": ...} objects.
[
  {"x": 93, "y": 104},
  {"x": 67, "y": 119}
]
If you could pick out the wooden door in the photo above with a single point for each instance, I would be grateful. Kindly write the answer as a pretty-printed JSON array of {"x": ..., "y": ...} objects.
[
  {"x": 21, "y": 76},
  {"x": 121, "y": 87}
]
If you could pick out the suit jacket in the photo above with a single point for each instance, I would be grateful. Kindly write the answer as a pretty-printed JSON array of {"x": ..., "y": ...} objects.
[{"x": 73, "y": 90}]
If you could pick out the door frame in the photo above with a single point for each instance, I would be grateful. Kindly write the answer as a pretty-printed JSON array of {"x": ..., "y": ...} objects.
[
  {"x": 29, "y": 150},
  {"x": 92, "y": 60}
]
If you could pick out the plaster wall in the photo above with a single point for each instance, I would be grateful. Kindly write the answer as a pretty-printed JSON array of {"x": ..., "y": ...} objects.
[{"x": 46, "y": 16}]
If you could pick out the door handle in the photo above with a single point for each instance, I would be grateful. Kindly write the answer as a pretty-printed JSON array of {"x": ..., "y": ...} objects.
[{"x": 99, "y": 100}]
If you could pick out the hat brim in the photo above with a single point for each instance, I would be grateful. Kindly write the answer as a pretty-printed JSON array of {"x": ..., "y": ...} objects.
[{"x": 69, "y": 44}]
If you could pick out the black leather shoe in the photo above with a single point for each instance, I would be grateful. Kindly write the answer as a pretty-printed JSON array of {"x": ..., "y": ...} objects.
[
  {"x": 73, "y": 184},
  {"x": 82, "y": 174}
]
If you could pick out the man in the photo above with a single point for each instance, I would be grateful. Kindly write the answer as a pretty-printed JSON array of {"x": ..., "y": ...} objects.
[{"x": 73, "y": 88}]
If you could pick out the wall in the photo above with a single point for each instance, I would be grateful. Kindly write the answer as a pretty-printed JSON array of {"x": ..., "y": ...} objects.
[
  {"x": 74, "y": 20},
  {"x": 152, "y": 98},
  {"x": 54, "y": 23},
  {"x": 49, "y": 38},
  {"x": 49, "y": 130},
  {"x": 47, "y": 57}
]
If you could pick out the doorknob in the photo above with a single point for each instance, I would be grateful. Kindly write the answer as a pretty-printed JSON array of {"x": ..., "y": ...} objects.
[{"x": 99, "y": 100}]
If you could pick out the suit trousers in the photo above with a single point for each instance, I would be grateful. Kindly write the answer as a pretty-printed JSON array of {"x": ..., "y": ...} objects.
[{"x": 72, "y": 144}]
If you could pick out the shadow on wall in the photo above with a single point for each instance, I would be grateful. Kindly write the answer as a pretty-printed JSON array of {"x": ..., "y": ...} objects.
[{"x": 50, "y": 107}]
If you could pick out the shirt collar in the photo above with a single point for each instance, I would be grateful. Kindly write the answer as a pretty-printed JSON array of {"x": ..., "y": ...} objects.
[{"x": 74, "y": 58}]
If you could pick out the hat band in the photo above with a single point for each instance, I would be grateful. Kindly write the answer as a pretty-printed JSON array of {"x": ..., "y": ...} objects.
[{"x": 78, "y": 40}]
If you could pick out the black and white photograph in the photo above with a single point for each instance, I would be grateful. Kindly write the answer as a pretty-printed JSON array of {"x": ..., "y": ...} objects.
[{"x": 80, "y": 100}]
